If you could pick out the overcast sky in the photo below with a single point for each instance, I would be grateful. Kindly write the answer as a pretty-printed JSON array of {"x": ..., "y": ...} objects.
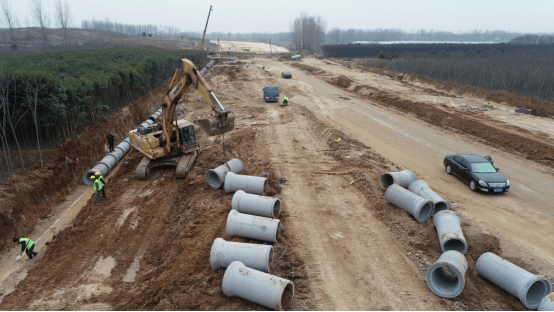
[{"x": 532, "y": 16}]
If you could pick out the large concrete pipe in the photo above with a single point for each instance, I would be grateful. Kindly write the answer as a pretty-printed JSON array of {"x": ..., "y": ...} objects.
[
  {"x": 146, "y": 123},
  {"x": 546, "y": 304},
  {"x": 204, "y": 69},
  {"x": 244, "y": 225},
  {"x": 445, "y": 277},
  {"x": 257, "y": 205},
  {"x": 108, "y": 162},
  {"x": 265, "y": 289},
  {"x": 155, "y": 116},
  {"x": 420, "y": 208},
  {"x": 528, "y": 288},
  {"x": 249, "y": 184},
  {"x": 421, "y": 189},
  {"x": 216, "y": 177},
  {"x": 252, "y": 255},
  {"x": 450, "y": 232},
  {"x": 403, "y": 178},
  {"x": 296, "y": 57}
]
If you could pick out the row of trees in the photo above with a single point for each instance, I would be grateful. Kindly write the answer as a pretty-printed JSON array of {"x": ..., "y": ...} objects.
[
  {"x": 39, "y": 18},
  {"x": 307, "y": 33},
  {"x": 527, "y": 72},
  {"x": 45, "y": 98}
]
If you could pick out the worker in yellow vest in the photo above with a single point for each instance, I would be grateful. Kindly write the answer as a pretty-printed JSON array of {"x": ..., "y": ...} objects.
[
  {"x": 101, "y": 178},
  {"x": 97, "y": 186},
  {"x": 285, "y": 100},
  {"x": 27, "y": 245}
]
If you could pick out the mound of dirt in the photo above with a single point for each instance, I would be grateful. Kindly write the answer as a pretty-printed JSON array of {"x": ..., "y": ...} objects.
[
  {"x": 308, "y": 68},
  {"x": 501, "y": 136}
]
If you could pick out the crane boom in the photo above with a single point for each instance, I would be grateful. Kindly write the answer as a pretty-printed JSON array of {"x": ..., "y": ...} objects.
[{"x": 204, "y": 35}]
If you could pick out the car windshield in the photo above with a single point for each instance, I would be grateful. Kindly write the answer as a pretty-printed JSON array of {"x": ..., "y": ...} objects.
[
  {"x": 272, "y": 89},
  {"x": 482, "y": 168}
]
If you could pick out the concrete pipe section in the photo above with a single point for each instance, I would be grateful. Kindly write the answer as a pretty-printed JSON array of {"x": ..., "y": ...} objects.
[
  {"x": 207, "y": 66},
  {"x": 403, "y": 178},
  {"x": 445, "y": 277},
  {"x": 421, "y": 209},
  {"x": 528, "y": 288},
  {"x": 239, "y": 224},
  {"x": 265, "y": 289},
  {"x": 216, "y": 177},
  {"x": 155, "y": 116},
  {"x": 108, "y": 162},
  {"x": 249, "y": 184},
  {"x": 257, "y": 205},
  {"x": 450, "y": 232},
  {"x": 252, "y": 255},
  {"x": 421, "y": 189},
  {"x": 546, "y": 305}
]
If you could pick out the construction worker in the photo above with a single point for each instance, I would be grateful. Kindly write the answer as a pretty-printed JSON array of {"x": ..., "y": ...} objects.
[
  {"x": 27, "y": 245},
  {"x": 246, "y": 64},
  {"x": 110, "y": 138},
  {"x": 101, "y": 178},
  {"x": 285, "y": 100},
  {"x": 97, "y": 186}
]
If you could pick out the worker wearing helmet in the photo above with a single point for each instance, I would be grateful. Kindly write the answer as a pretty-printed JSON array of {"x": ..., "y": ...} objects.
[
  {"x": 97, "y": 186},
  {"x": 101, "y": 178},
  {"x": 27, "y": 245}
]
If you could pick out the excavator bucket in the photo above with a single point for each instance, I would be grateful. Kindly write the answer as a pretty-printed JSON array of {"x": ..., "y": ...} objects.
[{"x": 214, "y": 124}]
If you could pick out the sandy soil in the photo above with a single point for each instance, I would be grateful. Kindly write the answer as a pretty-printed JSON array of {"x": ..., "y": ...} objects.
[
  {"x": 254, "y": 47},
  {"x": 341, "y": 243}
]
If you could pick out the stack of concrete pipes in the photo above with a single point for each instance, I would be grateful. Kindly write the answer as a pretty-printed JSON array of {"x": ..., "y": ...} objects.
[
  {"x": 111, "y": 159},
  {"x": 446, "y": 277},
  {"x": 252, "y": 216}
]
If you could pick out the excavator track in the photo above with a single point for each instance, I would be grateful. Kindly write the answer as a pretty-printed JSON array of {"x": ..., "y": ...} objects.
[
  {"x": 143, "y": 169},
  {"x": 185, "y": 163}
]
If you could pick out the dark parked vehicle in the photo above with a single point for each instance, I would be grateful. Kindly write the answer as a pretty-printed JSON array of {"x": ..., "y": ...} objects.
[
  {"x": 478, "y": 172},
  {"x": 286, "y": 74},
  {"x": 271, "y": 93}
]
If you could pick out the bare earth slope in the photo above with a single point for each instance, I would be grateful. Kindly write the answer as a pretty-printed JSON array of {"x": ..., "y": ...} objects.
[{"x": 341, "y": 243}]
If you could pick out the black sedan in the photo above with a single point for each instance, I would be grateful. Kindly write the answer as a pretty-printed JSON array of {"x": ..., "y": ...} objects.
[
  {"x": 286, "y": 74},
  {"x": 478, "y": 172}
]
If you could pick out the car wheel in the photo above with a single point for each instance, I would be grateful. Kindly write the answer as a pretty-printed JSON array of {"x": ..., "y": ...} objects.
[
  {"x": 449, "y": 169},
  {"x": 473, "y": 186}
]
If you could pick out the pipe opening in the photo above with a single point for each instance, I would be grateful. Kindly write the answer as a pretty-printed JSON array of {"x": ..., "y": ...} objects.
[
  {"x": 86, "y": 177},
  {"x": 425, "y": 212},
  {"x": 213, "y": 179},
  {"x": 265, "y": 185},
  {"x": 536, "y": 292},
  {"x": 444, "y": 283},
  {"x": 387, "y": 180},
  {"x": 276, "y": 208},
  {"x": 286, "y": 297},
  {"x": 455, "y": 244},
  {"x": 440, "y": 206}
]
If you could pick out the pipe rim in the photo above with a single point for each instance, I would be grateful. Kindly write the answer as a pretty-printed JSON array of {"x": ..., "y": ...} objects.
[
  {"x": 535, "y": 291},
  {"x": 454, "y": 244},
  {"x": 276, "y": 208},
  {"x": 214, "y": 180},
  {"x": 455, "y": 283},
  {"x": 425, "y": 211},
  {"x": 235, "y": 202},
  {"x": 289, "y": 287},
  {"x": 265, "y": 186},
  {"x": 440, "y": 206},
  {"x": 386, "y": 180}
]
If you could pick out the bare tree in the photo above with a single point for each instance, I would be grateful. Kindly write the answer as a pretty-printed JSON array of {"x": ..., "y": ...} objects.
[
  {"x": 9, "y": 19},
  {"x": 40, "y": 18},
  {"x": 63, "y": 18},
  {"x": 32, "y": 90},
  {"x": 308, "y": 33}
]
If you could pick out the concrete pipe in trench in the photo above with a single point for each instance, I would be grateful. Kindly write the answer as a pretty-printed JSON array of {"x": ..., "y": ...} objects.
[
  {"x": 257, "y": 205},
  {"x": 546, "y": 304},
  {"x": 108, "y": 162},
  {"x": 207, "y": 66},
  {"x": 450, "y": 232},
  {"x": 254, "y": 256},
  {"x": 240, "y": 224},
  {"x": 216, "y": 177},
  {"x": 403, "y": 178},
  {"x": 445, "y": 277},
  {"x": 420, "y": 208},
  {"x": 420, "y": 188},
  {"x": 262, "y": 288},
  {"x": 530, "y": 289},
  {"x": 249, "y": 184},
  {"x": 155, "y": 116}
]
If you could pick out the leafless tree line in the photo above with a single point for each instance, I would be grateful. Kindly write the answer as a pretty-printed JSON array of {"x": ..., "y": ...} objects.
[
  {"x": 307, "y": 33},
  {"x": 136, "y": 29},
  {"x": 39, "y": 18}
]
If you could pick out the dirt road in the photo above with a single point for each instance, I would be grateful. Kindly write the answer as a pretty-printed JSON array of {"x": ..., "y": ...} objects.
[{"x": 341, "y": 243}]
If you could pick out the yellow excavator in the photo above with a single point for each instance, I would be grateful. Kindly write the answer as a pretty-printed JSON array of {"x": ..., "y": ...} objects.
[{"x": 173, "y": 142}]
